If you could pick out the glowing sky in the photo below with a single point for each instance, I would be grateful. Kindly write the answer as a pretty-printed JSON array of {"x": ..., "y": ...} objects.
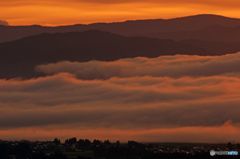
[{"x": 60, "y": 12}]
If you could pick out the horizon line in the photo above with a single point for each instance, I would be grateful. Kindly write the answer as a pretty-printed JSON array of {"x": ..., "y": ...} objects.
[{"x": 123, "y": 21}]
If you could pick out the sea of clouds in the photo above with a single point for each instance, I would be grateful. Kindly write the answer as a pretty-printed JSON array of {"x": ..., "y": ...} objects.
[{"x": 169, "y": 98}]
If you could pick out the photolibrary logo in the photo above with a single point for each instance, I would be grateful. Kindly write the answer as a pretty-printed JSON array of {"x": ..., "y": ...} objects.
[
  {"x": 224, "y": 153},
  {"x": 212, "y": 153}
]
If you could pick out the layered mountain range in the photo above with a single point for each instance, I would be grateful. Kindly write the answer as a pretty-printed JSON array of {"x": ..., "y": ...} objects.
[{"x": 22, "y": 48}]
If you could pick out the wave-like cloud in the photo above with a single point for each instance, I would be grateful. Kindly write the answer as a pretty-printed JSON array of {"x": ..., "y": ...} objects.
[
  {"x": 170, "y": 66},
  {"x": 148, "y": 98},
  {"x": 120, "y": 103}
]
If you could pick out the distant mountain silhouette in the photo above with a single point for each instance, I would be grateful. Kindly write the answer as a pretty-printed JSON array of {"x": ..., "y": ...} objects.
[
  {"x": 213, "y": 33},
  {"x": 19, "y": 58},
  {"x": 199, "y": 27},
  {"x": 4, "y": 23}
]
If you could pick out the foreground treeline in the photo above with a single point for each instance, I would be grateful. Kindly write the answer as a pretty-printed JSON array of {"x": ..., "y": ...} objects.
[{"x": 96, "y": 149}]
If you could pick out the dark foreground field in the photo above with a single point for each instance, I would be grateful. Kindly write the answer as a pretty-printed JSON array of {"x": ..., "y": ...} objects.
[{"x": 86, "y": 149}]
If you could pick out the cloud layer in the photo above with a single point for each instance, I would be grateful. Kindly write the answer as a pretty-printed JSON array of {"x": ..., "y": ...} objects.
[
  {"x": 166, "y": 66},
  {"x": 170, "y": 98}
]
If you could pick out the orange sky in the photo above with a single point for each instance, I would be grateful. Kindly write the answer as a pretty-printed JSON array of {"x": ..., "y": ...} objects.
[{"x": 62, "y": 12}]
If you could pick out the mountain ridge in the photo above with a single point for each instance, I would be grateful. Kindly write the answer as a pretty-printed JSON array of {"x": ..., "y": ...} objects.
[
  {"x": 3, "y": 23},
  {"x": 147, "y": 28},
  {"x": 20, "y": 57}
]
